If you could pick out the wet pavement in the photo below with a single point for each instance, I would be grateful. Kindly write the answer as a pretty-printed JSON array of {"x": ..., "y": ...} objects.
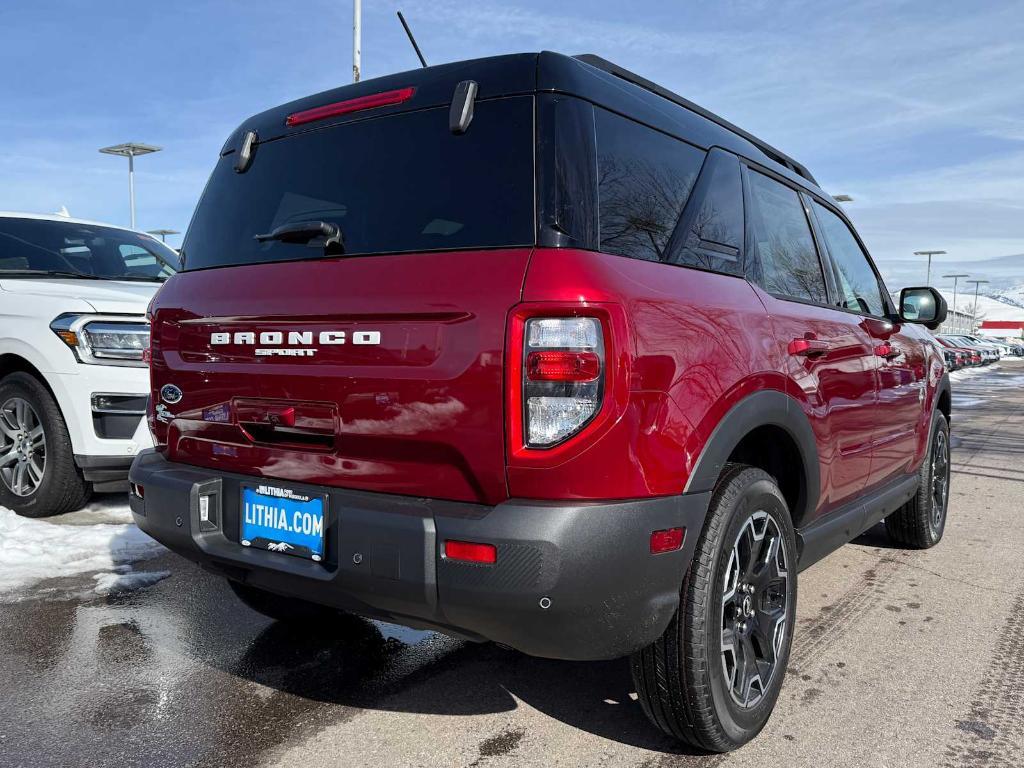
[{"x": 900, "y": 658}]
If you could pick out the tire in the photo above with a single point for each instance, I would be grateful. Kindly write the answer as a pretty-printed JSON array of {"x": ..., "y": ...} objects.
[
  {"x": 38, "y": 476},
  {"x": 920, "y": 523},
  {"x": 687, "y": 681},
  {"x": 288, "y": 610}
]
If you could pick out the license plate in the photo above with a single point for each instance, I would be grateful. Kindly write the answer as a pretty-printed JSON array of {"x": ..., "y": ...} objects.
[{"x": 282, "y": 520}]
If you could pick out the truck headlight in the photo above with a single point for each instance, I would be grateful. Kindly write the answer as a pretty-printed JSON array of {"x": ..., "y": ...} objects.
[{"x": 104, "y": 339}]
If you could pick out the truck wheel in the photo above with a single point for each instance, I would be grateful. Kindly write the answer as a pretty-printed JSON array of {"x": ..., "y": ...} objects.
[
  {"x": 713, "y": 677},
  {"x": 38, "y": 476},
  {"x": 290, "y": 610},
  {"x": 920, "y": 522}
]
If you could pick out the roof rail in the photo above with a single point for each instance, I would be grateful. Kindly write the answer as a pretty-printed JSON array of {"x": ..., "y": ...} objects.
[{"x": 614, "y": 69}]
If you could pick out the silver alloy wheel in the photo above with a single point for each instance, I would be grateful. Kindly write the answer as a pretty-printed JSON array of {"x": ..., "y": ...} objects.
[
  {"x": 22, "y": 447},
  {"x": 940, "y": 478},
  {"x": 754, "y": 609}
]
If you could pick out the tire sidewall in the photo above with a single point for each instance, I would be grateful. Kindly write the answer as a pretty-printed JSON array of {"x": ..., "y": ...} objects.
[
  {"x": 741, "y": 724},
  {"x": 939, "y": 424},
  {"x": 55, "y": 440}
]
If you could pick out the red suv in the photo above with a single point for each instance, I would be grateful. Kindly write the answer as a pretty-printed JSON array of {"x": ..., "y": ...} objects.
[{"x": 528, "y": 349}]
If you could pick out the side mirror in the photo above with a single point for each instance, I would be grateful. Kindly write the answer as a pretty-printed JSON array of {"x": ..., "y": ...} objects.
[{"x": 922, "y": 305}]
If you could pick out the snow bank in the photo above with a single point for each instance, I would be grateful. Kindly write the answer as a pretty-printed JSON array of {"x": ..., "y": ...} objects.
[{"x": 34, "y": 550}]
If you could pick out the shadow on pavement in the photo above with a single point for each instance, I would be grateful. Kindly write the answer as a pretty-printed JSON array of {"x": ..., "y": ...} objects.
[{"x": 352, "y": 664}]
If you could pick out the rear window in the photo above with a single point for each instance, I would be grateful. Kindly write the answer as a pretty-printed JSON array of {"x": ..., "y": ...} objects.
[{"x": 393, "y": 184}]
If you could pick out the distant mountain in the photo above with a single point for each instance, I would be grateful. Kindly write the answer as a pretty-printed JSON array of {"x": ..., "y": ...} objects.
[{"x": 1014, "y": 295}]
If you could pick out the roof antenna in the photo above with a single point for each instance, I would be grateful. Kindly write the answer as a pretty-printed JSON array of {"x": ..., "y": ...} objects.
[{"x": 412, "y": 39}]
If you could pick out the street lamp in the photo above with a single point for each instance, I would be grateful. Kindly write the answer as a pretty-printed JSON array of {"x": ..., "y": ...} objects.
[
  {"x": 929, "y": 254},
  {"x": 163, "y": 233},
  {"x": 974, "y": 318},
  {"x": 131, "y": 150},
  {"x": 956, "y": 279},
  {"x": 842, "y": 198}
]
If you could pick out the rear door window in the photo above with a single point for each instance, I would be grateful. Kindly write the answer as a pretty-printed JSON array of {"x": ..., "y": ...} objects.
[
  {"x": 392, "y": 184},
  {"x": 786, "y": 258},
  {"x": 859, "y": 286},
  {"x": 644, "y": 180}
]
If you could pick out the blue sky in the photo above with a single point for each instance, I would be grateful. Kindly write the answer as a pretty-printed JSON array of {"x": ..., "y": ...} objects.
[{"x": 915, "y": 108}]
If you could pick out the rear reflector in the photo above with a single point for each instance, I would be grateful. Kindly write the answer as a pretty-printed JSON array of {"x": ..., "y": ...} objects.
[
  {"x": 384, "y": 99},
  {"x": 471, "y": 552},
  {"x": 668, "y": 540}
]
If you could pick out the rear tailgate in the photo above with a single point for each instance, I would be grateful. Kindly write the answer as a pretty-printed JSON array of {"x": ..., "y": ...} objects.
[
  {"x": 419, "y": 413},
  {"x": 367, "y": 356}
]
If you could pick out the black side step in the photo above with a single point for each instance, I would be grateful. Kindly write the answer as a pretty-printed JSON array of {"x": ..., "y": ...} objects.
[{"x": 827, "y": 534}]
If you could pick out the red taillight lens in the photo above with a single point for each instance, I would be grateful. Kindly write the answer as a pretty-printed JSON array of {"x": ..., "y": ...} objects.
[
  {"x": 668, "y": 540},
  {"x": 383, "y": 99},
  {"x": 563, "y": 366},
  {"x": 471, "y": 552}
]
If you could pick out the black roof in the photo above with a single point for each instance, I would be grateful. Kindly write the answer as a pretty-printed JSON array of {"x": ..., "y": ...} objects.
[{"x": 587, "y": 76}]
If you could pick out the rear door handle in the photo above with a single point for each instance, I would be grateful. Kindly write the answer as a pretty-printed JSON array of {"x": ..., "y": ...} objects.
[
  {"x": 808, "y": 347},
  {"x": 888, "y": 351}
]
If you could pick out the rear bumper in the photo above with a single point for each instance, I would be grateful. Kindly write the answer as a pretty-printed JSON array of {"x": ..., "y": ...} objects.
[{"x": 606, "y": 595}]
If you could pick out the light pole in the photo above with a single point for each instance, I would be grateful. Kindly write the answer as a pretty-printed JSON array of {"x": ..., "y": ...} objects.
[
  {"x": 842, "y": 198},
  {"x": 131, "y": 150},
  {"x": 163, "y": 233},
  {"x": 974, "y": 317},
  {"x": 929, "y": 254},
  {"x": 956, "y": 279},
  {"x": 357, "y": 39}
]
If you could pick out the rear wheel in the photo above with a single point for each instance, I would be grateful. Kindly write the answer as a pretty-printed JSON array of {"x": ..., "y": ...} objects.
[
  {"x": 713, "y": 678},
  {"x": 38, "y": 476},
  {"x": 920, "y": 522},
  {"x": 289, "y": 610}
]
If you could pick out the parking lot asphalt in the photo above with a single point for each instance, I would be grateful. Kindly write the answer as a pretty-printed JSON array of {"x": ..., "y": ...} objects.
[{"x": 900, "y": 658}]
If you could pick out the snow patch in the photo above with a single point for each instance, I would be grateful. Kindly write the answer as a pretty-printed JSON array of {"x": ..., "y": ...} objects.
[
  {"x": 969, "y": 373},
  {"x": 34, "y": 550},
  {"x": 113, "y": 583}
]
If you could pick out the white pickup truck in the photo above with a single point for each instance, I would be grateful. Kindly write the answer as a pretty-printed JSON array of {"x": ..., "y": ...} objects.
[{"x": 73, "y": 382}]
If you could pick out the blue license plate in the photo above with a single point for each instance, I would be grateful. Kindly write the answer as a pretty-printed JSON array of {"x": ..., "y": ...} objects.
[{"x": 282, "y": 520}]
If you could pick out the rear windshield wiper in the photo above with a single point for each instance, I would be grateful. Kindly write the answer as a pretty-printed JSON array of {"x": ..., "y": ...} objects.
[{"x": 303, "y": 232}]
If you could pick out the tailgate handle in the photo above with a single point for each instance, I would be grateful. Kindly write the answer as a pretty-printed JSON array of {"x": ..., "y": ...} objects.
[{"x": 310, "y": 425}]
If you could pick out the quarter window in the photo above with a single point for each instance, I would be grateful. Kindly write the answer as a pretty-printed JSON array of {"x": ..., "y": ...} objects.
[
  {"x": 710, "y": 234},
  {"x": 858, "y": 284},
  {"x": 644, "y": 180},
  {"x": 788, "y": 260}
]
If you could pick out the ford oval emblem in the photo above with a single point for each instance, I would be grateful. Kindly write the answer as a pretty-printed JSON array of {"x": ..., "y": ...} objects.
[{"x": 171, "y": 394}]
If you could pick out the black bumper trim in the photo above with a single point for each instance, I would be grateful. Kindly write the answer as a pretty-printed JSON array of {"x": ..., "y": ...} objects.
[
  {"x": 572, "y": 580},
  {"x": 110, "y": 471}
]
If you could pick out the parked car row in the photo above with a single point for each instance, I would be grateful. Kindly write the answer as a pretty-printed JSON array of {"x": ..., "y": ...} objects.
[{"x": 977, "y": 351}]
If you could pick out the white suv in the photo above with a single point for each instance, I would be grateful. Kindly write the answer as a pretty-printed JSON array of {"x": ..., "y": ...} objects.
[{"x": 73, "y": 382}]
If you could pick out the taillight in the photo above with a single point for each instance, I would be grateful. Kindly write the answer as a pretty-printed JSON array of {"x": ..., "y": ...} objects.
[{"x": 563, "y": 377}]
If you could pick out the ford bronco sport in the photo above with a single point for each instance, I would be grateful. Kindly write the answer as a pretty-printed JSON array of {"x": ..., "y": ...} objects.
[{"x": 530, "y": 350}]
